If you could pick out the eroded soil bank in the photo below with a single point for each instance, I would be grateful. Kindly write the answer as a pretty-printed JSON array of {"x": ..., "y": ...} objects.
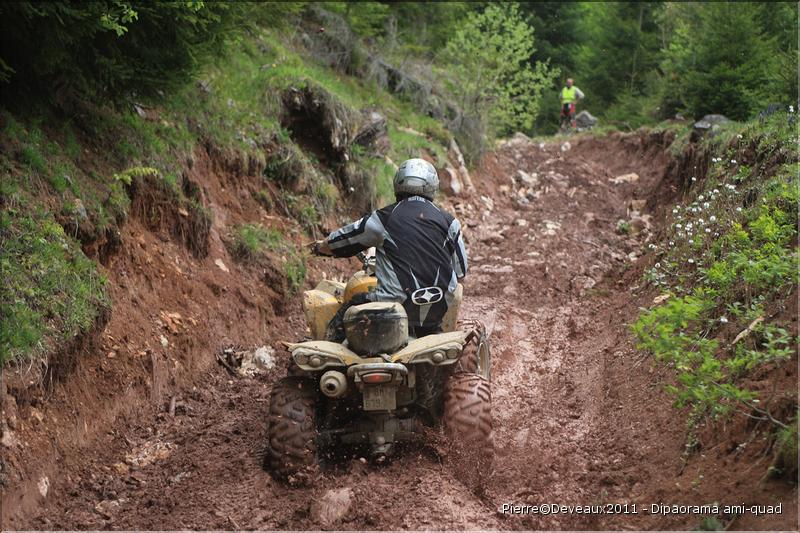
[{"x": 580, "y": 415}]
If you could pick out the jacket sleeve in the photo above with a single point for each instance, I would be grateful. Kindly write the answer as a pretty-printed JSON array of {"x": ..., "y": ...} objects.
[
  {"x": 364, "y": 233},
  {"x": 459, "y": 258}
]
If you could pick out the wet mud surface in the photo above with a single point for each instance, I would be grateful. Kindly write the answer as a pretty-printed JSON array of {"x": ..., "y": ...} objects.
[{"x": 579, "y": 417}]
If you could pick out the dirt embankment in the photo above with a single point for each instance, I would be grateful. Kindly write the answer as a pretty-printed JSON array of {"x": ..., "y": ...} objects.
[{"x": 580, "y": 415}]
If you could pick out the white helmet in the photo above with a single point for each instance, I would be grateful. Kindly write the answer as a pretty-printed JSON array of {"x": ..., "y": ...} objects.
[{"x": 416, "y": 177}]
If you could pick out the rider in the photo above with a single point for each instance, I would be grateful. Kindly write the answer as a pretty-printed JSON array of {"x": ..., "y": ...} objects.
[
  {"x": 569, "y": 95},
  {"x": 420, "y": 254}
]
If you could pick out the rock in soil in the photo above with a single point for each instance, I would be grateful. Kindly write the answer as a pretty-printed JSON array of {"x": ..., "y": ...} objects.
[{"x": 332, "y": 507}]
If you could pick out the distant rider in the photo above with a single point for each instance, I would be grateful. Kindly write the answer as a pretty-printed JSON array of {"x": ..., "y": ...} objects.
[
  {"x": 420, "y": 253},
  {"x": 569, "y": 95}
]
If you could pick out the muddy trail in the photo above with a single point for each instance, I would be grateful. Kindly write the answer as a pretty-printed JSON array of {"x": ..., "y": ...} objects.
[{"x": 579, "y": 416}]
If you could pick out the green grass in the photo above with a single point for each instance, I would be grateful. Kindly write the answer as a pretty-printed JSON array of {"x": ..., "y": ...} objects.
[
  {"x": 295, "y": 269},
  {"x": 406, "y": 145},
  {"x": 252, "y": 241},
  {"x": 728, "y": 261},
  {"x": 383, "y": 175},
  {"x": 785, "y": 458},
  {"x": 50, "y": 291}
]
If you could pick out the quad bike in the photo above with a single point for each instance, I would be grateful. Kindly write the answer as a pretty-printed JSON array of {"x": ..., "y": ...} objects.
[{"x": 380, "y": 386}]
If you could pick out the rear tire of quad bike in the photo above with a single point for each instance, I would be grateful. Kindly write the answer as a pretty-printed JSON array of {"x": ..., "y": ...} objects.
[
  {"x": 467, "y": 424},
  {"x": 477, "y": 357},
  {"x": 291, "y": 453}
]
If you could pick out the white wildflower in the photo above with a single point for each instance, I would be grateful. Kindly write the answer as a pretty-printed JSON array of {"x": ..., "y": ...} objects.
[
  {"x": 657, "y": 265},
  {"x": 672, "y": 243},
  {"x": 716, "y": 191},
  {"x": 675, "y": 211},
  {"x": 708, "y": 230},
  {"x": 712, "y": 218},
  {"x": 723, "y": 319},
  {"x": 739, "y": 136},
  {"x": 738, "y": 209},
  {"x": 706, "y": 205},
  {"x": 694, "y": 179},
  {"x": 791, "y": 109},
  {"x": 691, "y": 241},
  {"x": 733, "y": 161},
  {"x": 679, "y": 226},
  {"x": 691, "y": 261}
]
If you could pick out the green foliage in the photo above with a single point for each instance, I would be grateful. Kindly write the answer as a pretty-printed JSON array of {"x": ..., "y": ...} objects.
[
  {"x": 619, "y": 48},
  {"x": 423, "y": 27},
  {"x": 50, "y": 291},
  {"x": 729, "y": 255},
  {"x": 252, "y": 241},
  {"x": 367, "y": 19},
  {"x": 135, "y": 172},
  {"x": 295, "y": 269},
  {"x": 721, "y": 60},
  {"x": 786, "y": 453},
  {"x": 109, "y": 46},
  {"x": 488, "y": 57}
]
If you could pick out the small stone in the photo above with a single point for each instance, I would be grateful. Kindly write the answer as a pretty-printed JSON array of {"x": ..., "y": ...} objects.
[
  {"x": 522, "y": 222},
  {"x": 332, "y": 507},
  {"x": 44, "y": 486},
  {"x": 36, "y": 414},
  {"x": 9, "y": 439},
  {"x": 106, "y": 508},
  {"x": 221, "y": 265},
  {"x": 264, "y": 357},
  {"x": 625, "y": 178},
  {"x": 183, "y": 212},
  {"x": 164, "y": 341}
]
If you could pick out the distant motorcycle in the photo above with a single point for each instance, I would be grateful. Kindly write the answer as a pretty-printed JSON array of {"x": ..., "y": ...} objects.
[{"x": 380, "y": 386}]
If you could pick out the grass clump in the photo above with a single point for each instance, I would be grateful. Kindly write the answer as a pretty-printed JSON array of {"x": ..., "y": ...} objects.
[
  {"x": 786, "y": 452},
  {"x": 50, "y": 291},
  {"x": 728, "y": 265},
  {"x": 251, "y": 243},
  {"x": 295, "y": 269},
  {"x": 406, "y": 145}
]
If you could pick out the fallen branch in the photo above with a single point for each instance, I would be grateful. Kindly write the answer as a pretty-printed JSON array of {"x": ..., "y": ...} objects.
[
  {"x": 744, "y": 333},
  {"x": 223, "y": 362}
]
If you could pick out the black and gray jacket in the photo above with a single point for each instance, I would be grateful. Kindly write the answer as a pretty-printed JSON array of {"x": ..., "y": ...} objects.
[{"x": 420, "y": 256}]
